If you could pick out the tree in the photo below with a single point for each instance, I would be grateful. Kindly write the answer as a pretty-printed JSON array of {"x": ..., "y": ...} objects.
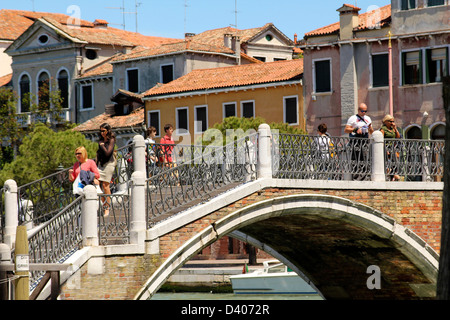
[{"x": 42, "y": 151}]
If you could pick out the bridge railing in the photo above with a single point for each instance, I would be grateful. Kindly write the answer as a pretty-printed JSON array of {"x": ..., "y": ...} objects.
[
  {"x": 415, "y": 160},
  {"x": 321, "y": 157},
  {"x": 344, "y": 158},
  {"x": 199, "y": 171}
]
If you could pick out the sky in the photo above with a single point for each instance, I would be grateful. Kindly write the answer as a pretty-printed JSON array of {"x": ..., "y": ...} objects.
[{"x": 173, "y": 18}]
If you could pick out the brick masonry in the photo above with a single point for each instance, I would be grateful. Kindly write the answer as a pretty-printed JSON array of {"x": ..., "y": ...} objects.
[{"x": 123, "y": 276}]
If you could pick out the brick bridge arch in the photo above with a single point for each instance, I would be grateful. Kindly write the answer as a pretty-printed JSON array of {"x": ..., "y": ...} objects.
[{"x": 329, "y": 239}]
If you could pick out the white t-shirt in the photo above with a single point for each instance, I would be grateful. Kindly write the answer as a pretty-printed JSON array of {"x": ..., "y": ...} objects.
[{"x": 355, "y": 121}]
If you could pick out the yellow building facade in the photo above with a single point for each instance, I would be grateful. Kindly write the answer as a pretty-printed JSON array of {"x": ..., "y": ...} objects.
[{"x": 191, "y": 110}]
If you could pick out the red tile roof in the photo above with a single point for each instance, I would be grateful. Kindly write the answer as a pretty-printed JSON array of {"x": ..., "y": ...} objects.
[
  {"x": 5, "y": 79},
  {"x": 177, "y": 47},
  {"x": 14, "y": 22},
  {"x": 135, "y": 118},
  {"x": 381, "y": 16},
  {"x": 224, "y": 77}
]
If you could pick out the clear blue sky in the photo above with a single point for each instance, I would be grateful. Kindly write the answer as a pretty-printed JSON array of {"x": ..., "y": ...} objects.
[{"x": 172, "y": 18}]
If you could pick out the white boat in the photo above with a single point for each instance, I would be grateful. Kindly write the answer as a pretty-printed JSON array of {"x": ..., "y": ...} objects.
[{"x": 272, "y": 279}]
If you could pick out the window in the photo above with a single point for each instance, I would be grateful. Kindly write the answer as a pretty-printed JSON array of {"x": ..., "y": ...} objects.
[
  {"x": 86, "y": 97},
  {"x": 201, "y": 119},
  {"x": 407, "y": 4},
  {"x": 432, "y": 3},
  {"x": 166, "y": 73},
  {"x": 412, "y": 72},
  {"x": 24, "y": 86},
  {"x": 44, "y": 91},
  {"x": 263, "y": 59},
  {"x": 322, "y": 75},
  {"x": 229, "y": 109},
  {"x": 63, "y": 86},
  {"x": 133, "y": 80},
  {"x": 380, "y": 70},
  {"x": 153, "y": 120},
  {"x": 290, "y": 109},
  {"x": 182, "y": 120},
  {"x": 43, "y": 39},
  {"x": 248, "y": 109},
  {"x": 436, "y": 63},
  {"x": 91, "y": 54}
]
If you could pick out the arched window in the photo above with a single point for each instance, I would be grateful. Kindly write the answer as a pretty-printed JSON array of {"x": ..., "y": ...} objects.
[
  {"x": 438, "y": 132},
  {"x": 24, "y": 87},
  {"x": 63, "y": 86},
  {"x": 44, "y": 91},
  {"x": 414, "y": 132}
]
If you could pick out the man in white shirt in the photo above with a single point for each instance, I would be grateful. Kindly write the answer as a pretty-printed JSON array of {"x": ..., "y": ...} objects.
[{"x": 360, "y": 124}]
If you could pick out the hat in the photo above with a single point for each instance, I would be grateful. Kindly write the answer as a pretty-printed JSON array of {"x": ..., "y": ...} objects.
[{"x": 388, "y": 117}]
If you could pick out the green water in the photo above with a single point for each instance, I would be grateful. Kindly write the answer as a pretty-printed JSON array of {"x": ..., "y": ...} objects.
[{"x": 230, "y": 296}]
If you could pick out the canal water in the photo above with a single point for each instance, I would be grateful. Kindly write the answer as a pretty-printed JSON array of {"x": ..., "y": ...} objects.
[{"x": 230, "y": 296}]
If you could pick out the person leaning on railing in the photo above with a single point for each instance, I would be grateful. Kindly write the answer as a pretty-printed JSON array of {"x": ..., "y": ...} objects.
[{"x": 390, "y": 131}]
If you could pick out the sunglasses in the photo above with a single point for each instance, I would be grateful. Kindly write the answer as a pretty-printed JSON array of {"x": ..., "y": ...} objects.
[
  {"x": 78, "y": 153},
  {"x": 363, "y": 111},
  {"x": 103, "y": 130}
]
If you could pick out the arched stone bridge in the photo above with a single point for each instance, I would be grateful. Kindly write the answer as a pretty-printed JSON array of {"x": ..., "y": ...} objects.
[{"x": 331, "y": 232}]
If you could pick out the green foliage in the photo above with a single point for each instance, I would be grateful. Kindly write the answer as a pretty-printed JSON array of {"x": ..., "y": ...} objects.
[
  {"x": 239, "y": 127},
  {"x": 42, "y": 151}
]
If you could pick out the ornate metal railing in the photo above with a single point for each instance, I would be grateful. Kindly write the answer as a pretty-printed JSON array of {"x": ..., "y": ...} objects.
[
  {"x": 114, "y": 228},
  {"x": 414, "y": 160},
  {"x": 56, "y": 239},
  {"x": 320, "y": 157},
  {"x": 201, "y": 171}
]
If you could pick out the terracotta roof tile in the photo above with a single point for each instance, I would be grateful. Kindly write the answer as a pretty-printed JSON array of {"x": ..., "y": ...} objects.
[
  {"x": 14, "y": 22},
  {"x": 5, "y": 79},
  {"x": 243, "y": 75},
  {"x": 381, "y": 16},
  {"x": 177, "y": 47},
  {"x": 135, "y": 118}
]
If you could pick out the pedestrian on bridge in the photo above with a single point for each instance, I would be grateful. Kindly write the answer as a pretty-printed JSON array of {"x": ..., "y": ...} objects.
[
  {"x": 83, "y": 163},
  {"x": 106, "y": 162},
  {"x": 390, "y": 131},
  {"x": 359, "y": 126}
]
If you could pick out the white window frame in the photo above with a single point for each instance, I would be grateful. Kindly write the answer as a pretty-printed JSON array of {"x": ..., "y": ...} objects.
[
  {"x": 242, "y": 107},
  {"x": 314, "y": 75},
  {"x": 228, "y": 103},
  {"x": 284, "y": 110},
  {"x": 179, "y": 133},
  {"x": 161, "y": 72},
  {"x": 158, "y": 134},
  {"x": 128, "y": 83},
  {"x": 195, "y": 117},
  {"x": 421, "y": 66},
  {"x": 82, "y": 97}
]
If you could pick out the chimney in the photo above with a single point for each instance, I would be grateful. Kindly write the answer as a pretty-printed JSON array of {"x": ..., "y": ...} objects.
[
  {"x": 227, "y": 40},
  {"x": 100, "y": 24},
  {"x": 348, "y": 20},
  {"x": 236, "y": 47},
  {"x": 295, "y": 38}
]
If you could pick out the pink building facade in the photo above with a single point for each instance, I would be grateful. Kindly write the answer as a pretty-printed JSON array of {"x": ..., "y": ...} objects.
[{"x": 347, "y": 63}]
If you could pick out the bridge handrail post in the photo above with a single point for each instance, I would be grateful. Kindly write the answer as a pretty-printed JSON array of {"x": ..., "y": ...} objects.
[
  {"x": 378, "y": 170},
  {"x": 89, "y": 209},
  {"x": 264, "y": 165},
  {"x": 11, "y": 212},
  {"x": 139, "y": 153},
  {"x": 138, "y": 224}
]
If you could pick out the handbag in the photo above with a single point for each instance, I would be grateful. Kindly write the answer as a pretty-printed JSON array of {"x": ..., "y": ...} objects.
[{"x": 77, "y": 187}]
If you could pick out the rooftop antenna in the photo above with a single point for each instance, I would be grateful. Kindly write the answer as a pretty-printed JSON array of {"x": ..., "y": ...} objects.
[
  {"x": 123, "y": 13},
  {"x": 136, "y": 5},
  {"x": 185, "y": 14},
  {"x": 32, "y": 3}
]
